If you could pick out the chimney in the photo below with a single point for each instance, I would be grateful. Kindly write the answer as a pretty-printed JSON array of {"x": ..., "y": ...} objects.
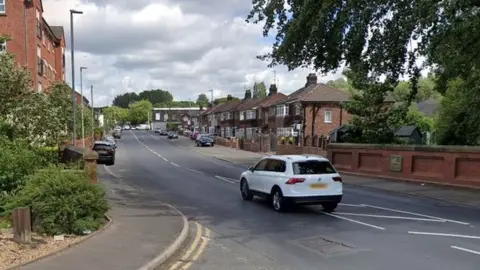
[
  {"x": 273, "y": 89},
  {"x": 248, "y": 94},
  {"x": 311, "y": 79}
]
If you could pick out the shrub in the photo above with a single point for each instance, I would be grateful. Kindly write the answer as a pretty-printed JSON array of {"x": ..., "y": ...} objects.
[
  {"x": 62, "y": 201},
  {"x": 17, "y": 160},
  {"x": 48, "y": 155}
]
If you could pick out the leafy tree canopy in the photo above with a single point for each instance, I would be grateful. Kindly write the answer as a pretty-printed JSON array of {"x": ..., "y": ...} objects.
[
  {"x": 155, "y": 96},
  {"x": 372, "y": 38},
  {"x": 202, "y": 100},
  {"x": 140, "y": 112},
  {"x": 259, "y": 90}
]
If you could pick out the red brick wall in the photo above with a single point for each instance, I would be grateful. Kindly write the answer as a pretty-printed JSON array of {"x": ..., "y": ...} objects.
[
  {"x": 13, "y": 24},
  {"x": 339, "y": 117},
  {"x": 287, "y": 149},
  {"x": 444, "y": 165}
]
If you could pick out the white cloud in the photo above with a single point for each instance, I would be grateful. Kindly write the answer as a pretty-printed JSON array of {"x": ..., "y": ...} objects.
[{"x": 184, "y": 46}]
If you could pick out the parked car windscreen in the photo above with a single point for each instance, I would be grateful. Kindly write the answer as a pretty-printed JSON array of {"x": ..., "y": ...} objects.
[
  {"x": 313, "y": 167},
  {"x": 104, "y": 147}
]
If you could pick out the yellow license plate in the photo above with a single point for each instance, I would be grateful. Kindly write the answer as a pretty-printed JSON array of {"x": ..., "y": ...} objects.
[{"x": 318, "y": 186}]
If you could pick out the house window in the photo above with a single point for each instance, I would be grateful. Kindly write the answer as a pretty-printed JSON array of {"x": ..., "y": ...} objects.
[
  {"x": 39, "y": 87},
  {"x": 38, "y": 25},
  {"x": 251, "y": 115},
  {"x": 282, "y": 110},
  {"x": 229, "y": 116},
  {"x": 284, "y": 132},
  {"x": 3, "y": 45},
  {"x": 157, "y": 116},
  {"x": 328, "y": 117},
  {"x": 298, "y": 109},
  {"x": 240, "y": 133},
  {"x": 2, "y": 7},
  {"x": 271, "y": 111},
  {"x": 44, "y": 41},
  {"x": 242, "y": 115}
]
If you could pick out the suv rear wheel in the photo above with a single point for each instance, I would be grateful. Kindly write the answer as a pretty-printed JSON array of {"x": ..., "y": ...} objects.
[
  {"x": 329, "y": 207},
  {"x": 279, "y": 203}
]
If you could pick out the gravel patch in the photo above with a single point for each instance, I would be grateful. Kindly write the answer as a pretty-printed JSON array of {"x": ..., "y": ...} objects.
[{"x": 13, "y": 254}]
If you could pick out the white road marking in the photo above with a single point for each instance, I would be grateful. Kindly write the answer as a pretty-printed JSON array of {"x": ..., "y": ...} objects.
[
  {"x": 174, "y": 164},
  {"x": 110, "y": 172},
  {"x": 193, "y": 170},
  {"x": 466, "y": 250},
  {"x": 416, "y": 214},
  {"x": 352, "y": 205},
  {"x": 165, "y": 159},
  {"x": 354, "y": 221},
  {"x": 224, "y": 179},
  {"x": 390, "y": 217},
  {"x": 445, "y": 234}
]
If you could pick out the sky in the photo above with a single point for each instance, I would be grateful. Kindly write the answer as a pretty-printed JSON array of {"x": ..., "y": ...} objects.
[{"x": 186, "y": 47}]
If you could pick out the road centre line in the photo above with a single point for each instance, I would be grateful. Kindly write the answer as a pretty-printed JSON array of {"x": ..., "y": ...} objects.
[
  {"x": 165, "y": 159},
  {"x": 195, "y": 171},
  {"x": 416, "y": 214},
  {"x": 174, "y": 164},
  {"x": 192, "y": 247},
  {"x": 352, "y": 205},
  {"x": 389, "y": 217},
  {"x": 466, "y": 250},
  {"x": 445, "y": 234},
  {"x": 355, "y": 221},
  {"x": 224, "y": 179}
]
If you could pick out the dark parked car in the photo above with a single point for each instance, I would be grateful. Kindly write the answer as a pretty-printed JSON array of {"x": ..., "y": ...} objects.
[
  {"x": 163, "y": 133},
  {"x": 172, "y": 135},
  {"x": 117, "y": 134},
  {"x": 205, "y": 141},
  {"x": 106, "y": 152}
]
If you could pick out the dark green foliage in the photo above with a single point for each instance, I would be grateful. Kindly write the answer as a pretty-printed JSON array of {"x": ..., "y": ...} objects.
[{"x": 62, "y": 201}]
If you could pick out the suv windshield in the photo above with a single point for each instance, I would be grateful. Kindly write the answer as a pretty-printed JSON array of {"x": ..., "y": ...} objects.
[
  {"x": 313, "y": 167},
  {"x": 102, "y": 147}
]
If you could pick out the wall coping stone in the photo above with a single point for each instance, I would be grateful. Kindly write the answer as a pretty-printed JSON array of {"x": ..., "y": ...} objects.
[{"x": 402, "y": 147}]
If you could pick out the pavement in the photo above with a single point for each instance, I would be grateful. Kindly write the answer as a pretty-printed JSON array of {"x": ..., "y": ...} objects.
[
  {"x": 142, "y": 229},
  {"x": 459, "y": 195},
  {"x": 373, "y": 228}
]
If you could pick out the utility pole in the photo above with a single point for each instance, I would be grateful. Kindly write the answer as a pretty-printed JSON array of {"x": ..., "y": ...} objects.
[
  {"x": 82, "y": 106},
  {"x": 211, "y": 94},
  {"x": 93, "y": 112}
]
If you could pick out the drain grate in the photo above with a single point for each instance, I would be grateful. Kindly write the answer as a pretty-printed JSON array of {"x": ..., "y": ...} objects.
[{"x": 326, "y": 246}]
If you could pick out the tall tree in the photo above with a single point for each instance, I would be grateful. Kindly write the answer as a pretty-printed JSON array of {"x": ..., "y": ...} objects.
[
  {"x": 202, "y": 100},
  {"x": 259, "y": 90},
  {"x": 124, "y": 100},
  {"x": 156, "y": 96},
  {"x": 372, "y": 38},
  {"x": 140, "y": 111}
]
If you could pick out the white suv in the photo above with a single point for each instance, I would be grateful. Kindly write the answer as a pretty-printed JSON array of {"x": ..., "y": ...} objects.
[{"x": 300, "y": 179}]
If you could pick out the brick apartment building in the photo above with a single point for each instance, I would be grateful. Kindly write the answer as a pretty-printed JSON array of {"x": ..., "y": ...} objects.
[{"x": 35, "y": 44}]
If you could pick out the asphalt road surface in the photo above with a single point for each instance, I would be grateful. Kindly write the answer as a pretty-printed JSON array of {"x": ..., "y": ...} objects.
[{"x": 371, "y": 230}]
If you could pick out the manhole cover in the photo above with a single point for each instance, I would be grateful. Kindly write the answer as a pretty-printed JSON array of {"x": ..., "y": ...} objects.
[{"x": 326, "y": 246}]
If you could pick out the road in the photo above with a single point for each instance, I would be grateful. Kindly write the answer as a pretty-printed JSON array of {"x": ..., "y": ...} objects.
[{"x": 371, "y": 230}]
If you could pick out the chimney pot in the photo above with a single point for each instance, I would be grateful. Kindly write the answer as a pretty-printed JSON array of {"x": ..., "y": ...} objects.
[{"x": 273, "y": 89}]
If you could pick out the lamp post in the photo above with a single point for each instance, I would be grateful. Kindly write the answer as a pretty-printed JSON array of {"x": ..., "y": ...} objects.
[
  {"x": 74, "y": 133},
  {"x": 82, "y": 105}
]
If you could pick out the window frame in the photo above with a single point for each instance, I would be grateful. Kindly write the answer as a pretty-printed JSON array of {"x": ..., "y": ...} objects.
[
  {"x": 3, "y": 45},
  {"x": 4, "y": 4},
  {"x": 329, "y": 120}
]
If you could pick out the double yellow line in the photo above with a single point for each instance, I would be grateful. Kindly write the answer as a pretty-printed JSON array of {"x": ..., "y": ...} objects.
[{"x": 187, "y": 259}]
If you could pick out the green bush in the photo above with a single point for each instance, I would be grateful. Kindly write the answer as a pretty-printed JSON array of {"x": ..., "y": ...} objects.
[
  {"x": 48, "y": 155},
  {"x": 62, "y": 201},
  {"x": 17, "y": 160}
]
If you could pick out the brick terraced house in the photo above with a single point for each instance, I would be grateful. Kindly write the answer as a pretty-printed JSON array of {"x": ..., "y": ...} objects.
[{"x": 34, "y": 43}]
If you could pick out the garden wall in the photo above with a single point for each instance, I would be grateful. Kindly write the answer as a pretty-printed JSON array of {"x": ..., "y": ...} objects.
[{"x": 448, "y": 165}]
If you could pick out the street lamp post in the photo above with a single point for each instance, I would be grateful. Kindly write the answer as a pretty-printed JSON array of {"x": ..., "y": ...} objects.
[
  {"x": 74, "y": 132},
  {"x": 82, "y": 105}
]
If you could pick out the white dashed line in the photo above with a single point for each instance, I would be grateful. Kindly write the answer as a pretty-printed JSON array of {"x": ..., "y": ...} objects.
[
  {"x": 352, "y": 205},
  {"x": 224, "y": 179},
  {"x": 174, "y": 164},
  {"x": 416, "y": 214},
  {"x": 466, "y": 250},
  {"x": 110, "y": 172},
  {"x": 165, "y": 159},
  {"x": 446, "y": 235},
  {"x": 193, "y": 170},
  {"x": 390, "y": 217},
  {"x": 355, "y": 221}
]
